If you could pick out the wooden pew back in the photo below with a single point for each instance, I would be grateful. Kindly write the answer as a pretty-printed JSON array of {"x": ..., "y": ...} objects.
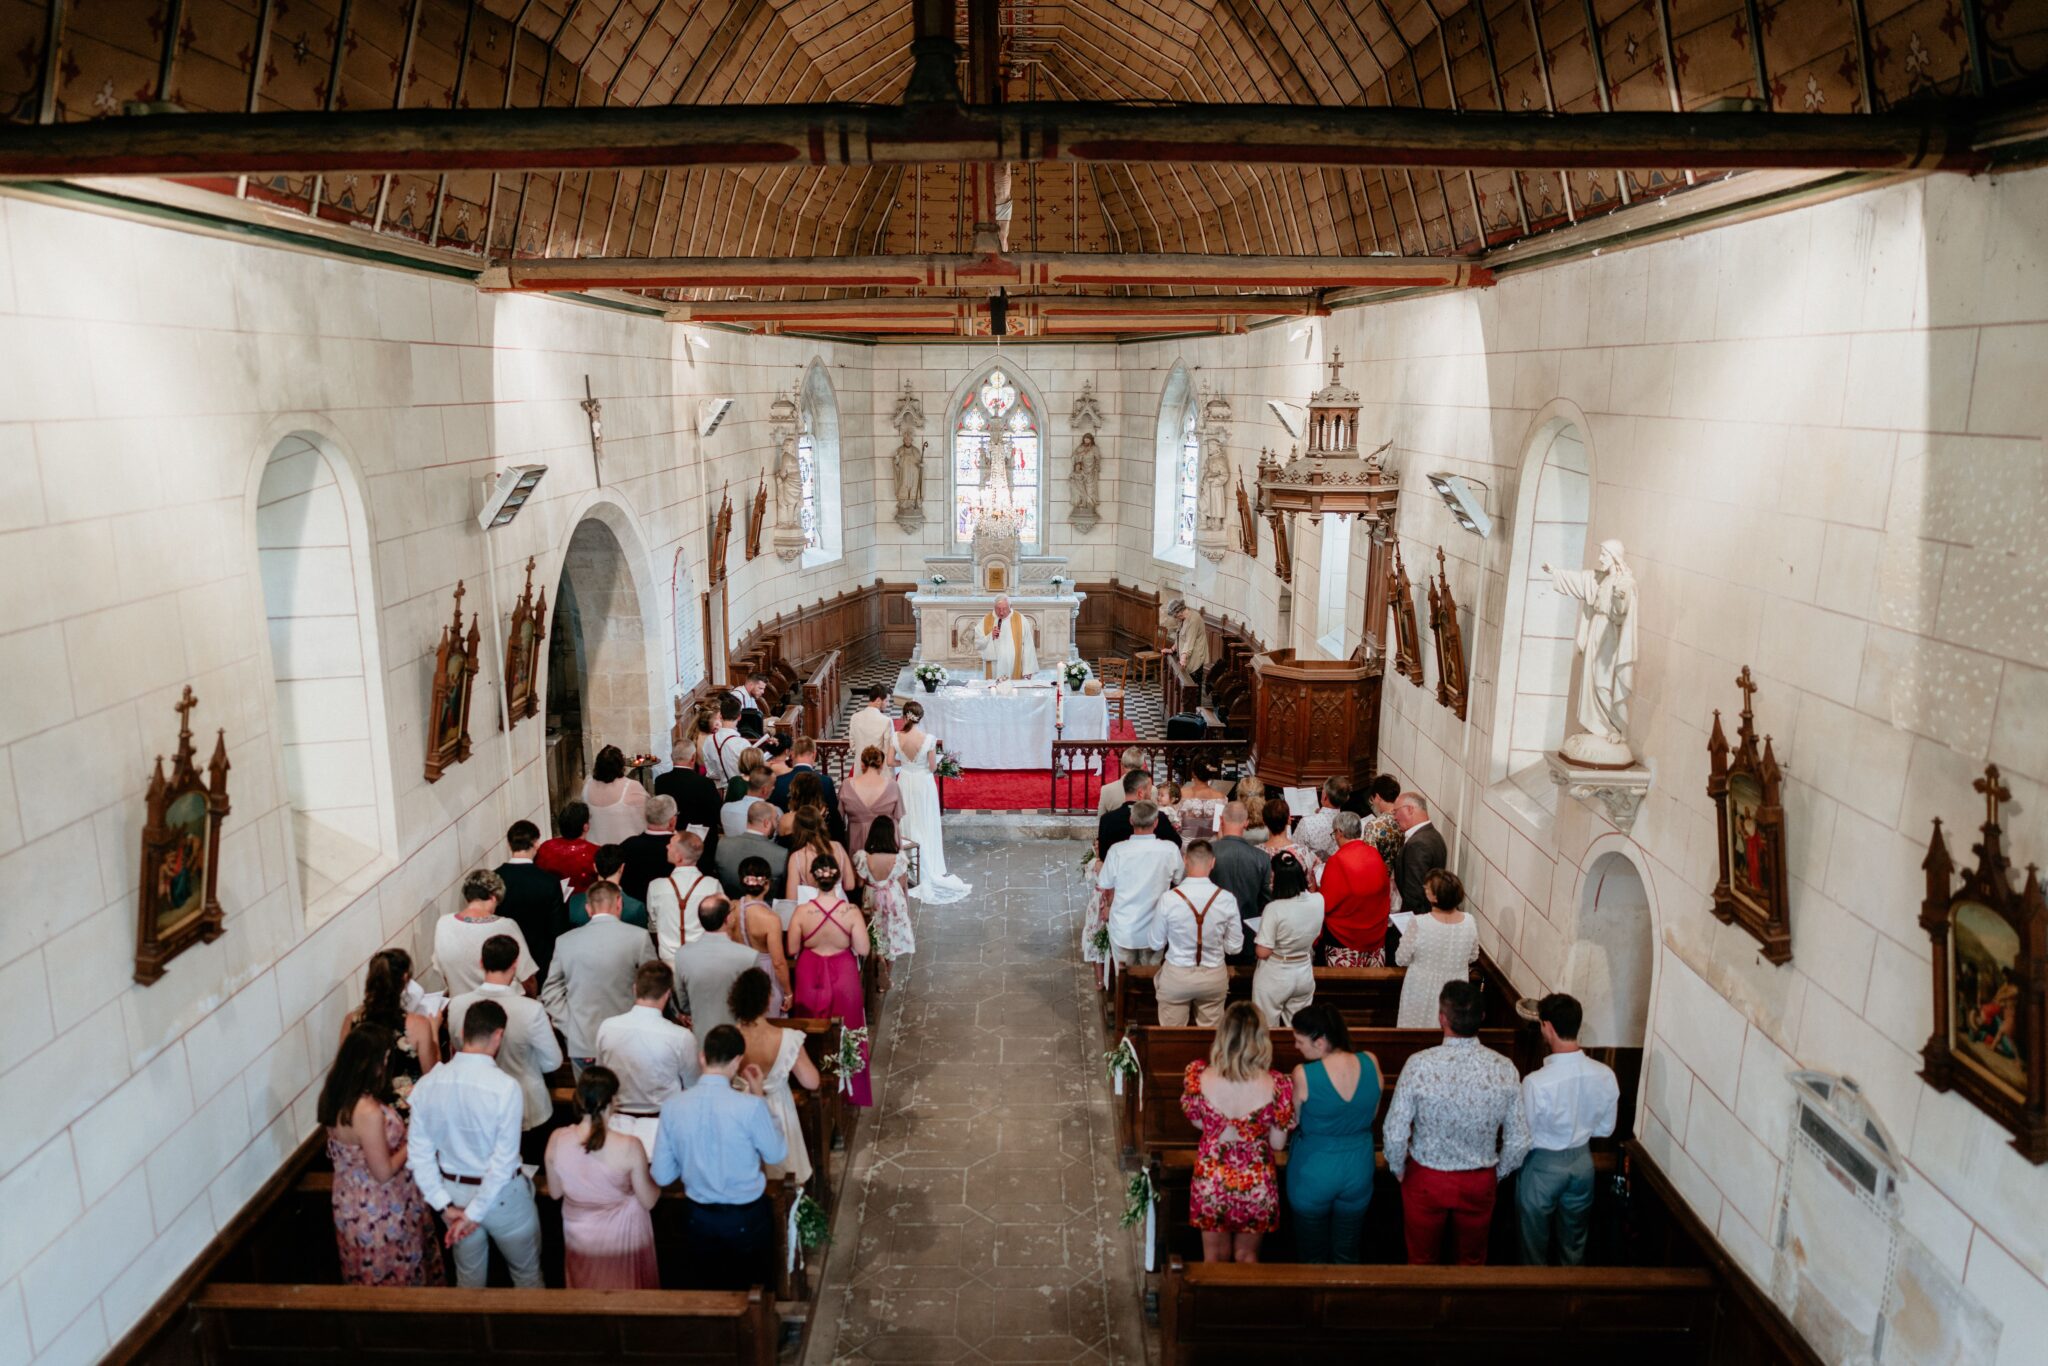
[
  {"x": 1366, "y": 997},
  {"x": 351, "y": 1324},
  {"x": 1225, "y": 1313}
]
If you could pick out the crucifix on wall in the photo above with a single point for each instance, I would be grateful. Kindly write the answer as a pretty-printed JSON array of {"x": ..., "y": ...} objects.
[{"x": 593, "y": 408}]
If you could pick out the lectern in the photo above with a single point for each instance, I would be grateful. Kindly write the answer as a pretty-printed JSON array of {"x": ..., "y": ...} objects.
[{"x": 1314, "y": 719}]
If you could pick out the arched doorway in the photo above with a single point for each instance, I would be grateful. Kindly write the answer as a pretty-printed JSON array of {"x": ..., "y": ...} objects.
[
  {"x": 320, "y": 610},
  {"x": 1612, "y": 957},
  {"x": 598, "y": 668}
]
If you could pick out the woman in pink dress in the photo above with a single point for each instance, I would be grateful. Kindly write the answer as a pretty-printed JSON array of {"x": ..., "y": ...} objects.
[
  {"x": 828, "y": 938},
  {"x": 381, "y": 1224},
  {"x": 1244, "y": 1110},
  {"x": 867, "y": 794},
  {"x": 606, "y": 1191}
]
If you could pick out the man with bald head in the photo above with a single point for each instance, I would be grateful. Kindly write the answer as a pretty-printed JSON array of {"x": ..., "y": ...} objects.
[{"x": 1242, "y": 869}]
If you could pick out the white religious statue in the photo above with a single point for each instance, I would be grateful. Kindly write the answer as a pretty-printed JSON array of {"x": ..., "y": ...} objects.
[
  {"x": 1214, "y": 498},
  {"x": 1085, "y": 479},
  {"x": 1607, "y": 656},
  {"x": 909, "y": 474},
  {"x": 789, "y": 485},
  {"x": 1005, "y": 640}
]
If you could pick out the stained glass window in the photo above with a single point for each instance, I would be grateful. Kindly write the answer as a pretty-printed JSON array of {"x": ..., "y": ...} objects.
[
  {"x": 807, "y": 482},
  {"x": 996, "y": 405},
  {"x": 1188, "y": 484}
]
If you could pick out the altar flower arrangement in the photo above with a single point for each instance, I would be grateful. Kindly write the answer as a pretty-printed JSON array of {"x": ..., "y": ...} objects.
[
  {"x": 938, "y": 580},
  {"x": 931, "y": 675},
  {"x": 1076, "y": 673}
]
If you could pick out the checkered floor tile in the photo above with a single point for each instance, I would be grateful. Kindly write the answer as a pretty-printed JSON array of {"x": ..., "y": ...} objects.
[{"x": 1144, "y": 707}]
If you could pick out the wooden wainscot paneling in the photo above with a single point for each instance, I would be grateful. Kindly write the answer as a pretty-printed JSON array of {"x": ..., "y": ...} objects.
[{"x": 1313, "y": 719}]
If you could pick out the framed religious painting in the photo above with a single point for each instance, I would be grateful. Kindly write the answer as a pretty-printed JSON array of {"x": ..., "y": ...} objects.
[
  {"x": 1450, "y": 640},
  {"x": 1743, "y": 783},
  {"x": 448, "y": 703},
  {"x": 181, "y": 852},
  {"x": 1990, "y": 980},
  {"x": 522, "y": 652},
  {"x": 1407, "y": 634}
]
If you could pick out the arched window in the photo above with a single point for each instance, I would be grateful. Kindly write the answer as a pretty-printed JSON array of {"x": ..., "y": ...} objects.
[
  {"x": 1552, "y": 507},
  {"x": 995, "y": 416},
  {"x": 817, "y": 462},
  {"x": 313, "y": 552},
  {"x": 1177, "y": 466},
  {"x": 1333, "y": 586}
]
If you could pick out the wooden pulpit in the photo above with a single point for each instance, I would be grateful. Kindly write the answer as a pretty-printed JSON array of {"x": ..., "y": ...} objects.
[{"x": 1314, "y": 719}]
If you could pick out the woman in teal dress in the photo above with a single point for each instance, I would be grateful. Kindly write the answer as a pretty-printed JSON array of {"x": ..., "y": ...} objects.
[{"x": 1329, "y": 1175}]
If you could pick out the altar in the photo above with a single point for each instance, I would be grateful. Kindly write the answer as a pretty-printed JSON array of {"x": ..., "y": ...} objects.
[
  {"x": 1013, "y": 727},
  {"x": 960, "y": 590}
]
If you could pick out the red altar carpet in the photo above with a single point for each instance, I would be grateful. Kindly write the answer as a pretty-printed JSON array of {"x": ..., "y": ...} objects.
[{"x": 1026, "y": 789}]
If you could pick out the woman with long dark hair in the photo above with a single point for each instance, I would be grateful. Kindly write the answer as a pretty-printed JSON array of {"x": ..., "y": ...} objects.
[
  {"x": 381, "y": 1225},
  {"x": 601, "y": 1178},
  {"x": 1329, "y": 1175},
  {"x": 415, "y": 1044},
  {"x": 812, "y": 841},
  {"x": 1289, "y": 925},
  {"x": 828, "y": 938},
  {"x": 882, "y": 873},
  {"x": 779, "y": 1053}
]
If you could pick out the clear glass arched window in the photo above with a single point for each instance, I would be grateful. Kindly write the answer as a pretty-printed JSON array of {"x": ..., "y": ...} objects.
[
  {"x": 1187, "y": 482},
  {"x": 996, "y": 405}
]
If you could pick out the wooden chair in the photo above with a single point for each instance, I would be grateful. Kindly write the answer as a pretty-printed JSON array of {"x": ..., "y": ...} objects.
[
  {"x": 1149, "y": 661},
  {"x": 1116, "y": 682}
]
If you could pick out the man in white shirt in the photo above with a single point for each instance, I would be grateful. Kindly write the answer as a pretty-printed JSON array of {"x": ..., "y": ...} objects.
[
  {"x": 1137, "y": 872},
  {"x": 529, "y": 1052},
  {"x": 732, "y": 817},
  {"x": 871, "y": 726},
  {"x": 653, "y": 1058},
  {"x": 1569, "y": 1101},
  {"x": 722, "y": 748},
  {"x": 1197, "y": 925},
  {"x": 1315, "y": 832},
  {"x": 463, "y": 1151},
  {"x": 591, "y": 979},
  {"x": 672, "y": 900}
]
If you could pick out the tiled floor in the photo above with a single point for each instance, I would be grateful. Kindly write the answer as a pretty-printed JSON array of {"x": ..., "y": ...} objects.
[{"x": 980, "y": 1223}]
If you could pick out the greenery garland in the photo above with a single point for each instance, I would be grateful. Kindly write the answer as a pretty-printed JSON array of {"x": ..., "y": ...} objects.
[
  {"x": 1121, "y": 1060},
  {"x": 1099, "y": 941},
  {"x": 852, "y": 1056},
  {"x": 813, "y": 1228},
  {"x": 1138, "y": 1197}
]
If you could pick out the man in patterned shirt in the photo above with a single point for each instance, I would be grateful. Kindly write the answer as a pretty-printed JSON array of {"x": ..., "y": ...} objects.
[
  {"x": 1314, "y": 832},
  {"x": 1454, "y": 1132}
]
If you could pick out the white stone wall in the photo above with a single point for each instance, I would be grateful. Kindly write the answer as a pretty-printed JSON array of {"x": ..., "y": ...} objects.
[{"x": 145, "y": 376}]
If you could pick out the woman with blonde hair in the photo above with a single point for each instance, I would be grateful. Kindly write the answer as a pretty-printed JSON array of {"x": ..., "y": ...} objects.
[
  {"x": 1244, "y": 1110},
  {"x": 751, "y": 761}
]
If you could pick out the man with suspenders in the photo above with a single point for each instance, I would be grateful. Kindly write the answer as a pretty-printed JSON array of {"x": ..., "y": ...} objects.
[
  {"x": 672, "y": 900},
  {"x": 723, "y": 747},
  {"x": 1198, "y": 926}
]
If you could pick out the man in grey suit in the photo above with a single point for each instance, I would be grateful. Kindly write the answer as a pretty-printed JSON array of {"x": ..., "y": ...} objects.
[
  {"x": 591, "y": 979},
  {"x": 707, "y": 968},
  {"x": 1242, "y": 869},
  {"x": 1422, "y": 853},
  {"x": 757, "y": 842}
]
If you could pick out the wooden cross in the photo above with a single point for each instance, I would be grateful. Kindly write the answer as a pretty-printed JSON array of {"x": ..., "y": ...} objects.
[
  {"x": 458, "y": 606},
  {"x": 1748, "y": 686},
  {"x": 1994, "y": 793},
  {"x": 184, "y": 709}
]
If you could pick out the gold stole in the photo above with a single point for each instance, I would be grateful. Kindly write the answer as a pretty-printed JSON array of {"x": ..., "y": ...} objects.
[{"x": 988, "y": 628}]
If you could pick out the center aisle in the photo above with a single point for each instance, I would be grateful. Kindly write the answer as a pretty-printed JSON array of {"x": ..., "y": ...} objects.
[{"x": 980, "y": 1223}]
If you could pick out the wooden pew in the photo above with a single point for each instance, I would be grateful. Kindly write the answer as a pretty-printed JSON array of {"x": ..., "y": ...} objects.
[
  {"x": 253, "y": 1324},
  {"x": 1366, "y": 997},
  {"x": 1156, "y": 1120},
  {"x": 822, "y": 693},
  {"x": 1226, "y": 1314}
]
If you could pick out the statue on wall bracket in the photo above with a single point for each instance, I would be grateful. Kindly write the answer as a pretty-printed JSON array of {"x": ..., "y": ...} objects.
[
  {"x": 1084, "y": 476},
  {"x": 1608, "y": 608},
  {"x": 909, "y": 460},
  {"x": 1212, "y": 487},
  {"x": 790, "y": 541}
]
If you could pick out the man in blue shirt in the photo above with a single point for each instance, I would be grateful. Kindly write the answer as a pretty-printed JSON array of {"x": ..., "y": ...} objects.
[{"x": 715, "y": 1137}]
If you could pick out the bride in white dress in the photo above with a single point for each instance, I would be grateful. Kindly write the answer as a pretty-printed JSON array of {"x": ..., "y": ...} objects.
[{"x": 917, "y": 751}]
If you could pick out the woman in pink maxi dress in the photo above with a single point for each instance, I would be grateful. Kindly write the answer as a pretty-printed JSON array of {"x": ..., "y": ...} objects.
[
  {"x": 606, "y": 1191},
  {"x": 828, "y": 938}
]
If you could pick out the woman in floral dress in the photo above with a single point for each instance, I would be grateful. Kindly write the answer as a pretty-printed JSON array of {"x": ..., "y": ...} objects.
[
  {"x": 882, "y": 872},
  {"x": 1244, "y": 1110},
  {"x": 381, "y": 1224}
]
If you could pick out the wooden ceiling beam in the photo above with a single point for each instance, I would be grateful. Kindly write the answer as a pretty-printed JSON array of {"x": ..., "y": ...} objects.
[
  {"x": 1099, "y": 310},
  {"x": 757, "y": 136},
  {"x": 1022, "y": 269}
]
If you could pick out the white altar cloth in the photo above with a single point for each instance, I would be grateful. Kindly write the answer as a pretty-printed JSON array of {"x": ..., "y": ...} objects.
[{"x": 983, "y": 729}]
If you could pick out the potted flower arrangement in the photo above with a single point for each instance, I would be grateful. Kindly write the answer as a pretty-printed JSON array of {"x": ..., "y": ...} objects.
[
  {"x": 931, "y": 675},
  {"x": 1076, "y": 673}
]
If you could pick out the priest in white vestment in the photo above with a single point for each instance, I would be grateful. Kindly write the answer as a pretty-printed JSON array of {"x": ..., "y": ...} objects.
[{"x": 1006, "y": 641}]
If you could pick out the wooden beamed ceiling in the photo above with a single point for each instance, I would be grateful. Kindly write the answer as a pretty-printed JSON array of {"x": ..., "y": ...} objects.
[{"x": 69, "y": 62}]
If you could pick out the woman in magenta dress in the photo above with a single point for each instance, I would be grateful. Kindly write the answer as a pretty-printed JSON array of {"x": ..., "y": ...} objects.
[
  {"x": 828, "y": 938},
  {"x": 606, "y": 1191},
  {"x": 1244, "y": 1110},
  {"x": 381, "y": 1224}
]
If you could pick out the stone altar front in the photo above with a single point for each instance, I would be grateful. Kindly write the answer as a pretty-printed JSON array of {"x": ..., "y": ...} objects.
[{"x": 959, "y": 590}]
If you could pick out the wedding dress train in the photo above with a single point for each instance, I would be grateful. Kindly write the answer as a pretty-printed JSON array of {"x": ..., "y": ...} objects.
[{"x": 921, "y": 824}]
